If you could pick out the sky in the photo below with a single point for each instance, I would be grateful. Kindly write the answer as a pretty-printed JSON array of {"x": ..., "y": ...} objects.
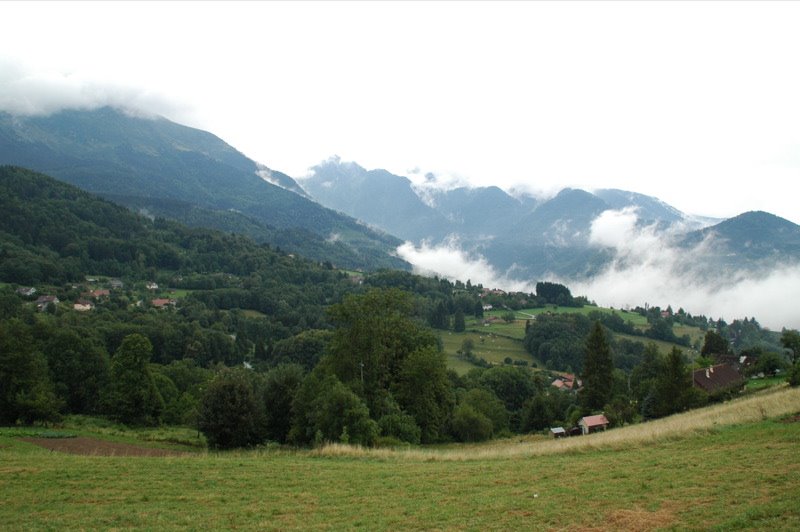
[
  {"x": 695, "y": 103},
  {"x": 692, "y": 102}
]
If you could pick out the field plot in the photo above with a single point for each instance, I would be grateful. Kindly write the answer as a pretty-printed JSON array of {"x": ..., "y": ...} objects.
[
  {"x": 708, "y": 471},
  {"x": 491, "y": 347}
]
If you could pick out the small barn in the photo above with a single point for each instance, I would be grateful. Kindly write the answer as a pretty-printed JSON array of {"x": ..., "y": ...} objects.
[
  {"x": 589, "y": 424},
  {"x": 558, "y": 432}
]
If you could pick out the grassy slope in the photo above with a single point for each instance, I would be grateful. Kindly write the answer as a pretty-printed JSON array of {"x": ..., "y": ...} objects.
[
  {"x": 503, "y": 339},
  {"x": 695, "y": 471}
]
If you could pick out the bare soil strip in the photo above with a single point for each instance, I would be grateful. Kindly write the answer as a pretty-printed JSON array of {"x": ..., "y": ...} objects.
[{"x": 93, "y": 447}]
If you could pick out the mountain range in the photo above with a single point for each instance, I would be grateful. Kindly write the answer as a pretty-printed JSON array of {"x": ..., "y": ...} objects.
[
  {"x": 530, "y": 238},
  {"x": 356, "y": 218},
  {"x": 166, "y": 169}
]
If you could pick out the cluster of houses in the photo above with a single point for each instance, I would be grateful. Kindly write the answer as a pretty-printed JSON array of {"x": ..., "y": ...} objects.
[{"x": 87, "y": 300}]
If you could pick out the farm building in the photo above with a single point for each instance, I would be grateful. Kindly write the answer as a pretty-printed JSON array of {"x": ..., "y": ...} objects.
[
  {"x": 163, "y": 302},
  {"x": 717, "y": 379},
  {"x": 589, "y": 424},
  {"x": 45, "y": 301},
  {"x": 567, "y": 382},
  {"x": 83, "y": 305},
  {"x": 558, "y": 432}
]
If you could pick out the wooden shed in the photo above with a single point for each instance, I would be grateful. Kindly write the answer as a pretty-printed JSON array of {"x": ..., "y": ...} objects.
[{"x": 589, "y": 424}]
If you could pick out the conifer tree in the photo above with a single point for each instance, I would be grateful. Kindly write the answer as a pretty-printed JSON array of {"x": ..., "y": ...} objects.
[{"x": 598, "y": 370}]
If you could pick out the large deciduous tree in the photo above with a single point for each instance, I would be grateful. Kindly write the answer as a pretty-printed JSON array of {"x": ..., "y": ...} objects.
[
  {"x": 132, "y": 395},
  {"x": 230, "y": 416},
  {"x": 376, "y": 332},
  {"x": 26, "y": 393}
]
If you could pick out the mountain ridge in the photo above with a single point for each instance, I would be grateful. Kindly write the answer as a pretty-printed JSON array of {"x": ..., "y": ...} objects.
[{"x": 115, "y": 154}]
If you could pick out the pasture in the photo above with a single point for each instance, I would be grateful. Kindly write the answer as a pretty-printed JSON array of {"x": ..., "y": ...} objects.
[{"x": 726, "y": 467}]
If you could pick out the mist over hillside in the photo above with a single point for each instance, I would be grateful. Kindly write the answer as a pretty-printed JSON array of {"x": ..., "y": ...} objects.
[{"x": 619, "y": 247}]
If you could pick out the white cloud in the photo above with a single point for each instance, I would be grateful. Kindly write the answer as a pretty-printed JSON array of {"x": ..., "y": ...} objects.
[
  {"x": 449, "y": 260},
  {"x": 647, "y": 268},
  {"x": 29, "y": 92}
]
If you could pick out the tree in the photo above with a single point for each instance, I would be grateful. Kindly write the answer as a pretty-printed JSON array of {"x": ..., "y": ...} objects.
[
  {"x": 325, "y": 410},
  {"x": 790, "y": 339},
  {"x": 375, "y": 334},
  {"x": 538, "y": 413},
  {"x": 459, "y": 324},
  {"x": 512, "y": 385},
  {"x": 598, "y": 371},
  {"x": 423, "y": 390},
  {"x": 714, "y": 344},
  {"x": 132, "y": 396},
  {"x": 467, "y": 345},
  {"x": 645, "y": 374},
  {"x": 470, "y": 425},
  {"x": 79, "y": 369},
  {"x": 279, "y": 389},
  {"x": 230, "y": 416},
  {"x": 673, "y": 391},
  {"x": 26, "y": 393},
  {"x": 486, "y": 402},
  {"x": 440, "y": 318},
  {"x": 769, "y": 363}
]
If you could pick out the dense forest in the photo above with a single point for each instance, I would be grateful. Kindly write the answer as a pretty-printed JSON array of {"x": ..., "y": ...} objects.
[{"x": 145, "y": 321}]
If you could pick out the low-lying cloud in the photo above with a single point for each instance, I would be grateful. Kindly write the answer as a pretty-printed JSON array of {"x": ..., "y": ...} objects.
[
  {"x": 451, "y": 261},
  {"x": 26, "y": 92},
  {"x": 648, "y": 267}
]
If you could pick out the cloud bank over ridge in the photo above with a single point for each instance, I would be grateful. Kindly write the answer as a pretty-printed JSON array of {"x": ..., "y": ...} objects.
[
  {"x": 28, "y": 92},
  {"x": 648, "y": 267}
]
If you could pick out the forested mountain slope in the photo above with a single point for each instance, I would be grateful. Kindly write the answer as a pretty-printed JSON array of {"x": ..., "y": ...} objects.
[{"x": 155, "y": 164}]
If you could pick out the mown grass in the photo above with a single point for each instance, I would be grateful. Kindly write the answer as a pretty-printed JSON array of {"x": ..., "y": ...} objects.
[
  {"x": 732, "y": 475},
  {"x": 491, "y": 347}
]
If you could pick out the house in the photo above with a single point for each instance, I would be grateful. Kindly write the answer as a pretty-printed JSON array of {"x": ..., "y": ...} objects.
[
  {"x": 45, "y": 301},
  {"x": 100, "y": 292},
  {"x": 82, "y": 305},
  {"x": 566, "y": 382},
  {"x": 151, "y": 285},
  {"x": 163, "y": 303},
  {"x": 717, "y": 379},
  {"x": 116, "y": 284},
  {"x": 589, "y": 424},
  {"x": 558, "y": 432},
  {"x": 740, "y": 363},
  {"x": 26, "y": 291}
]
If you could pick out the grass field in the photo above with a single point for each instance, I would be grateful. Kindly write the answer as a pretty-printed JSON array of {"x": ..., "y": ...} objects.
[
  {"x": 508, "y": 336},
  {"x": 730, "y": 467},
  {"x": 492, "y": 348}
]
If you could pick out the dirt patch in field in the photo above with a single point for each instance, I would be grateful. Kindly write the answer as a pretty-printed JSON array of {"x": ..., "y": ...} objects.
[
  {"x": 791, "y": 419},
  {"x": 635, "y": 520},
  {"x": 93, "y": 447}
]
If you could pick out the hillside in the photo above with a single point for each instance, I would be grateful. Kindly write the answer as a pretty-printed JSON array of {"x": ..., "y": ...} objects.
[
  {"x": 683, "y": 478},
  {"x": 757, "y": 237},
  {"x": 149, "y": 162}
]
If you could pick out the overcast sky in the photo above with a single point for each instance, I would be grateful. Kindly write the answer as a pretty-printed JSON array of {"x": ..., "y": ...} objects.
[{"x": 695, "y": 103}]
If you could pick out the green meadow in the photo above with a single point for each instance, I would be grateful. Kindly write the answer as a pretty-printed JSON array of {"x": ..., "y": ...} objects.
[
  {"x": 734, "y": 466},
  {"x": 495, "y": 339}
]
